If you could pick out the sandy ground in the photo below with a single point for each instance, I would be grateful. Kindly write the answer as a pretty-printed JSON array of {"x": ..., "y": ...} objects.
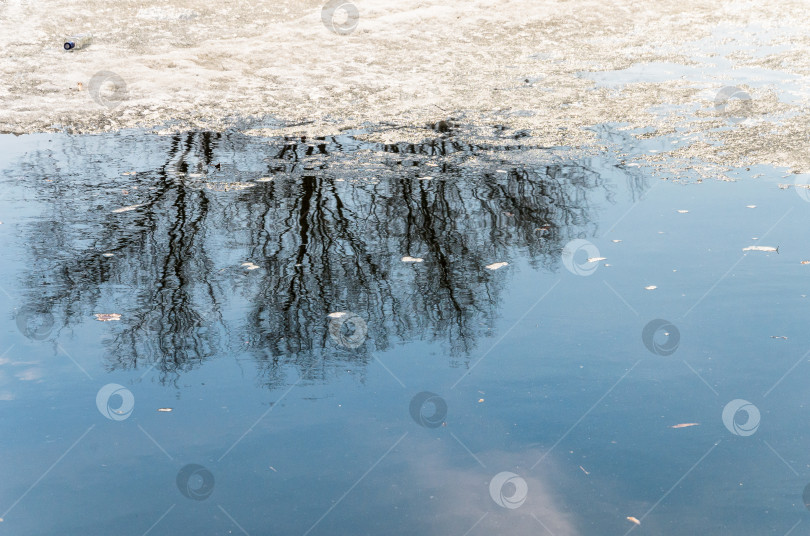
[{"x": 552, "y": 68}]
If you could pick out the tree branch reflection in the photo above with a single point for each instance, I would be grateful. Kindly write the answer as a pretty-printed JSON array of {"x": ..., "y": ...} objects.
[{"x": 327, "y": 229}]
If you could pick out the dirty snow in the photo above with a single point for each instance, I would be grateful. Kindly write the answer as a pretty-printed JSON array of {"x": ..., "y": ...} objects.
[{"x": 552, "y": 68}]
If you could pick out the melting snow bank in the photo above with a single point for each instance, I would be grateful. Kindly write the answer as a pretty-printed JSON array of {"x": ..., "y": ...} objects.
[{"x": 545, "y": 71}]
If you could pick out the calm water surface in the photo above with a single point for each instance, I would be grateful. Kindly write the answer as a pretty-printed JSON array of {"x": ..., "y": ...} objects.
[{"x": 321, "y": 380}]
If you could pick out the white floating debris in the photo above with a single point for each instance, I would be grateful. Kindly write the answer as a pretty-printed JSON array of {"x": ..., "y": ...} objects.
[
  {"x": 501, "y": 171},
  {"x": 107, "y": 317},
  {"x": 596, "y": 259},
  {"x": 128, "y": 173},
  {"x": 650, "y": 287},
  {"x": 338, "y": 314},
  {"x": 228, "y": 186},
  {"x": 164, "y": 410},
  {"x": 108, "y": 254},
  {"x": 126, "y": 209},
  {"x": 761, "y": 248},
  {"x": 412, "y": 259},
  {"x": 683, "y": 211},
  {"x": 750, "y": 206},
  {"x": 615, "y": 241},
  {"x": 250, "y": 265},
  {"x": 424, "y": 178},
  {"x": 496, "y": 265},
  {"x": 264, "y": 179}
]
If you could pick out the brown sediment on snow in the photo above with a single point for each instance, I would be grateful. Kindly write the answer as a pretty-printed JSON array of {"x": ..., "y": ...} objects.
[{"x": 551, "y": 69}]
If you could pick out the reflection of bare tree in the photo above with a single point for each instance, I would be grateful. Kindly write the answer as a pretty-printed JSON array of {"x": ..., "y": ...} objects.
[{"x": 327, "y": 232}]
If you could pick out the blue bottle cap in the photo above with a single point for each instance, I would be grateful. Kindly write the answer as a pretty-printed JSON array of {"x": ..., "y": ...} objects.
[{"x": 69, "y": 45}]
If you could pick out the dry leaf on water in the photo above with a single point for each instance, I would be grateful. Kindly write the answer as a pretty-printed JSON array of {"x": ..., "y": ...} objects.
[
  {"x": 634, "y": 520},
  {"x": 583, "y": 470},
  {"x": 126, "y": 209},
  {"x": 107, "y": 317},
  {"x": 685, "y": 425}
]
